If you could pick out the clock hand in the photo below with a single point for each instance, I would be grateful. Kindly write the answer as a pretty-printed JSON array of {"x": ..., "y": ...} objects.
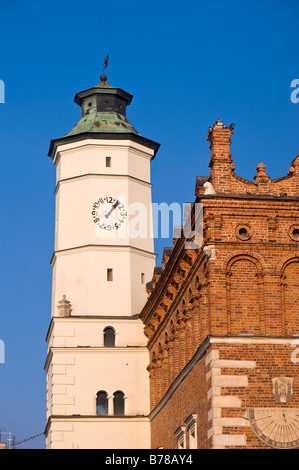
[{"x": 112, "y": 209}]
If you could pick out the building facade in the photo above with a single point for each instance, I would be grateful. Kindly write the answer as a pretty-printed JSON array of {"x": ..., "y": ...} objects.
[
  {"x": 97, "y": 382},
  {"x": 198, "y": 353},
  {"x": 222, "y": 320}
]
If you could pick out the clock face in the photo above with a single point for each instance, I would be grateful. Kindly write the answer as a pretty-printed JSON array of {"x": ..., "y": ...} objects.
[
  {"x": 276, "y": 427},
  {"x": 109, "y": 213}
]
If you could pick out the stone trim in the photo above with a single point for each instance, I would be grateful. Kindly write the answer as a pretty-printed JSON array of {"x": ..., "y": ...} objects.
[
  {"x": 121, "y": 248},
  {"x": 65, "y": 419},
  {"x": 219, "y": 401},
  {"x": 197, "y": 356},
  {"x": 101, "y": 175}
]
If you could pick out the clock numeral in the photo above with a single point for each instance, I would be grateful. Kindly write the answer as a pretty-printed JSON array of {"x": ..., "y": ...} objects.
[{"x": 98, "y": 208}]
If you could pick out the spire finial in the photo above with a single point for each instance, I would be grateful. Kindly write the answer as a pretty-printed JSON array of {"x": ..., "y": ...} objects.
[{"x": 105, "y": 65}]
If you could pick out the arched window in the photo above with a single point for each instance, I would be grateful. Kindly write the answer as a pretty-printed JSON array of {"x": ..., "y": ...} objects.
[
  {"x": 102, "y": 403},
  {"x": 119, "y": 403},
  {"x": 109, "y": 337}
]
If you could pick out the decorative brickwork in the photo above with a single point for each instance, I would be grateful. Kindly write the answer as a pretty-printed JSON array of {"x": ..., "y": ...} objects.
[{"x": 220, "y": 319}]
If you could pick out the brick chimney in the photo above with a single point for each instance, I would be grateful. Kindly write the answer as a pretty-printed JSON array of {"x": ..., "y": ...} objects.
[{"x": 221, "y": 163}]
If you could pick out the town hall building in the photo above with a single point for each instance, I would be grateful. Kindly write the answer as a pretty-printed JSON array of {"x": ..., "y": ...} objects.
[{"x": 199, "y": 353}]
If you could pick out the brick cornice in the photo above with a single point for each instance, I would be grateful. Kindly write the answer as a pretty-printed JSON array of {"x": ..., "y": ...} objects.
[{"x": 177, "y": 299}]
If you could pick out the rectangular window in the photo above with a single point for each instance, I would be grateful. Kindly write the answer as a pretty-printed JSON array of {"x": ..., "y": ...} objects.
[
  {"x": 109, "y": 274},
  {"x": 142, "y": 278},
  {"x": 181, "y": 437},
  {"x": 108, "y": 162},
  {"x": 191, "y": 423}
]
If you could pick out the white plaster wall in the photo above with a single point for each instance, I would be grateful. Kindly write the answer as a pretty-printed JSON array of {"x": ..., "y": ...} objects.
[
  {"x": 100, "y": 434},
  {"x": 78, "y": 364},
  {"x": 89, "y": 156},
  {"x": 73, "y": 332},
  {"x": 74, "y": 207},
  {"x": 81, "y": 275},
  {"x": 82, "y": 372}
]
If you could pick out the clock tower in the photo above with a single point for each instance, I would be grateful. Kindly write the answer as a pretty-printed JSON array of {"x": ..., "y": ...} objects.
[{"x": 97, "y": 382}]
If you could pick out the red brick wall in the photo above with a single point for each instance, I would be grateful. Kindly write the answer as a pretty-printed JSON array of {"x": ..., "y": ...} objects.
[
  {"x": 189, "y": 398},
  {"x": 234, "y": 286},
  {"x": 272, "y": 360}
]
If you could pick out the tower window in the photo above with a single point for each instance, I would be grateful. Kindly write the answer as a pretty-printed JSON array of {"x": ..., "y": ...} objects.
[
  {"x": 142, "y": 278},
  {"x": 119, "y": 403},
  {"x": 108, "y": 162},
  {"x": 102, "y": 403},
  {"x": 109, "y": 337},
  {"x": 109, "y": 274}
]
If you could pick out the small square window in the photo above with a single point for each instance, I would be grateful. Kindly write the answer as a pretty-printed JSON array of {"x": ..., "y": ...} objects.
[
  {"x": 108, "y": 162},
  {"x": 109, "y": 274}
]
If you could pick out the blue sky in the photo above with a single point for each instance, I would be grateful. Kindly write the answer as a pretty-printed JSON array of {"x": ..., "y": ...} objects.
[{"x": 186, "y": 63}]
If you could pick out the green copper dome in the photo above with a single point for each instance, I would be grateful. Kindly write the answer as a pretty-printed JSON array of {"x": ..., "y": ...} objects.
[
  {"x": 102, "y": 122},
  {"x": 103, "y": 116}
]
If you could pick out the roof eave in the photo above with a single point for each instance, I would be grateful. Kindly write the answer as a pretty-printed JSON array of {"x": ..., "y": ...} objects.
[
  {"x": 103, "y": 91},
  {"x": 103, "y": 135}
]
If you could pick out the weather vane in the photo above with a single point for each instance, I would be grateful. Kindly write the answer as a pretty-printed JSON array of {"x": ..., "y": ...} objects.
[{"x": 105, "y": 65}]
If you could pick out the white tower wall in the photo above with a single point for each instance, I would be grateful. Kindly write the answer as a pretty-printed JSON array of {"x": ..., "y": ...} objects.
[{"x": 78, "y": 364}]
